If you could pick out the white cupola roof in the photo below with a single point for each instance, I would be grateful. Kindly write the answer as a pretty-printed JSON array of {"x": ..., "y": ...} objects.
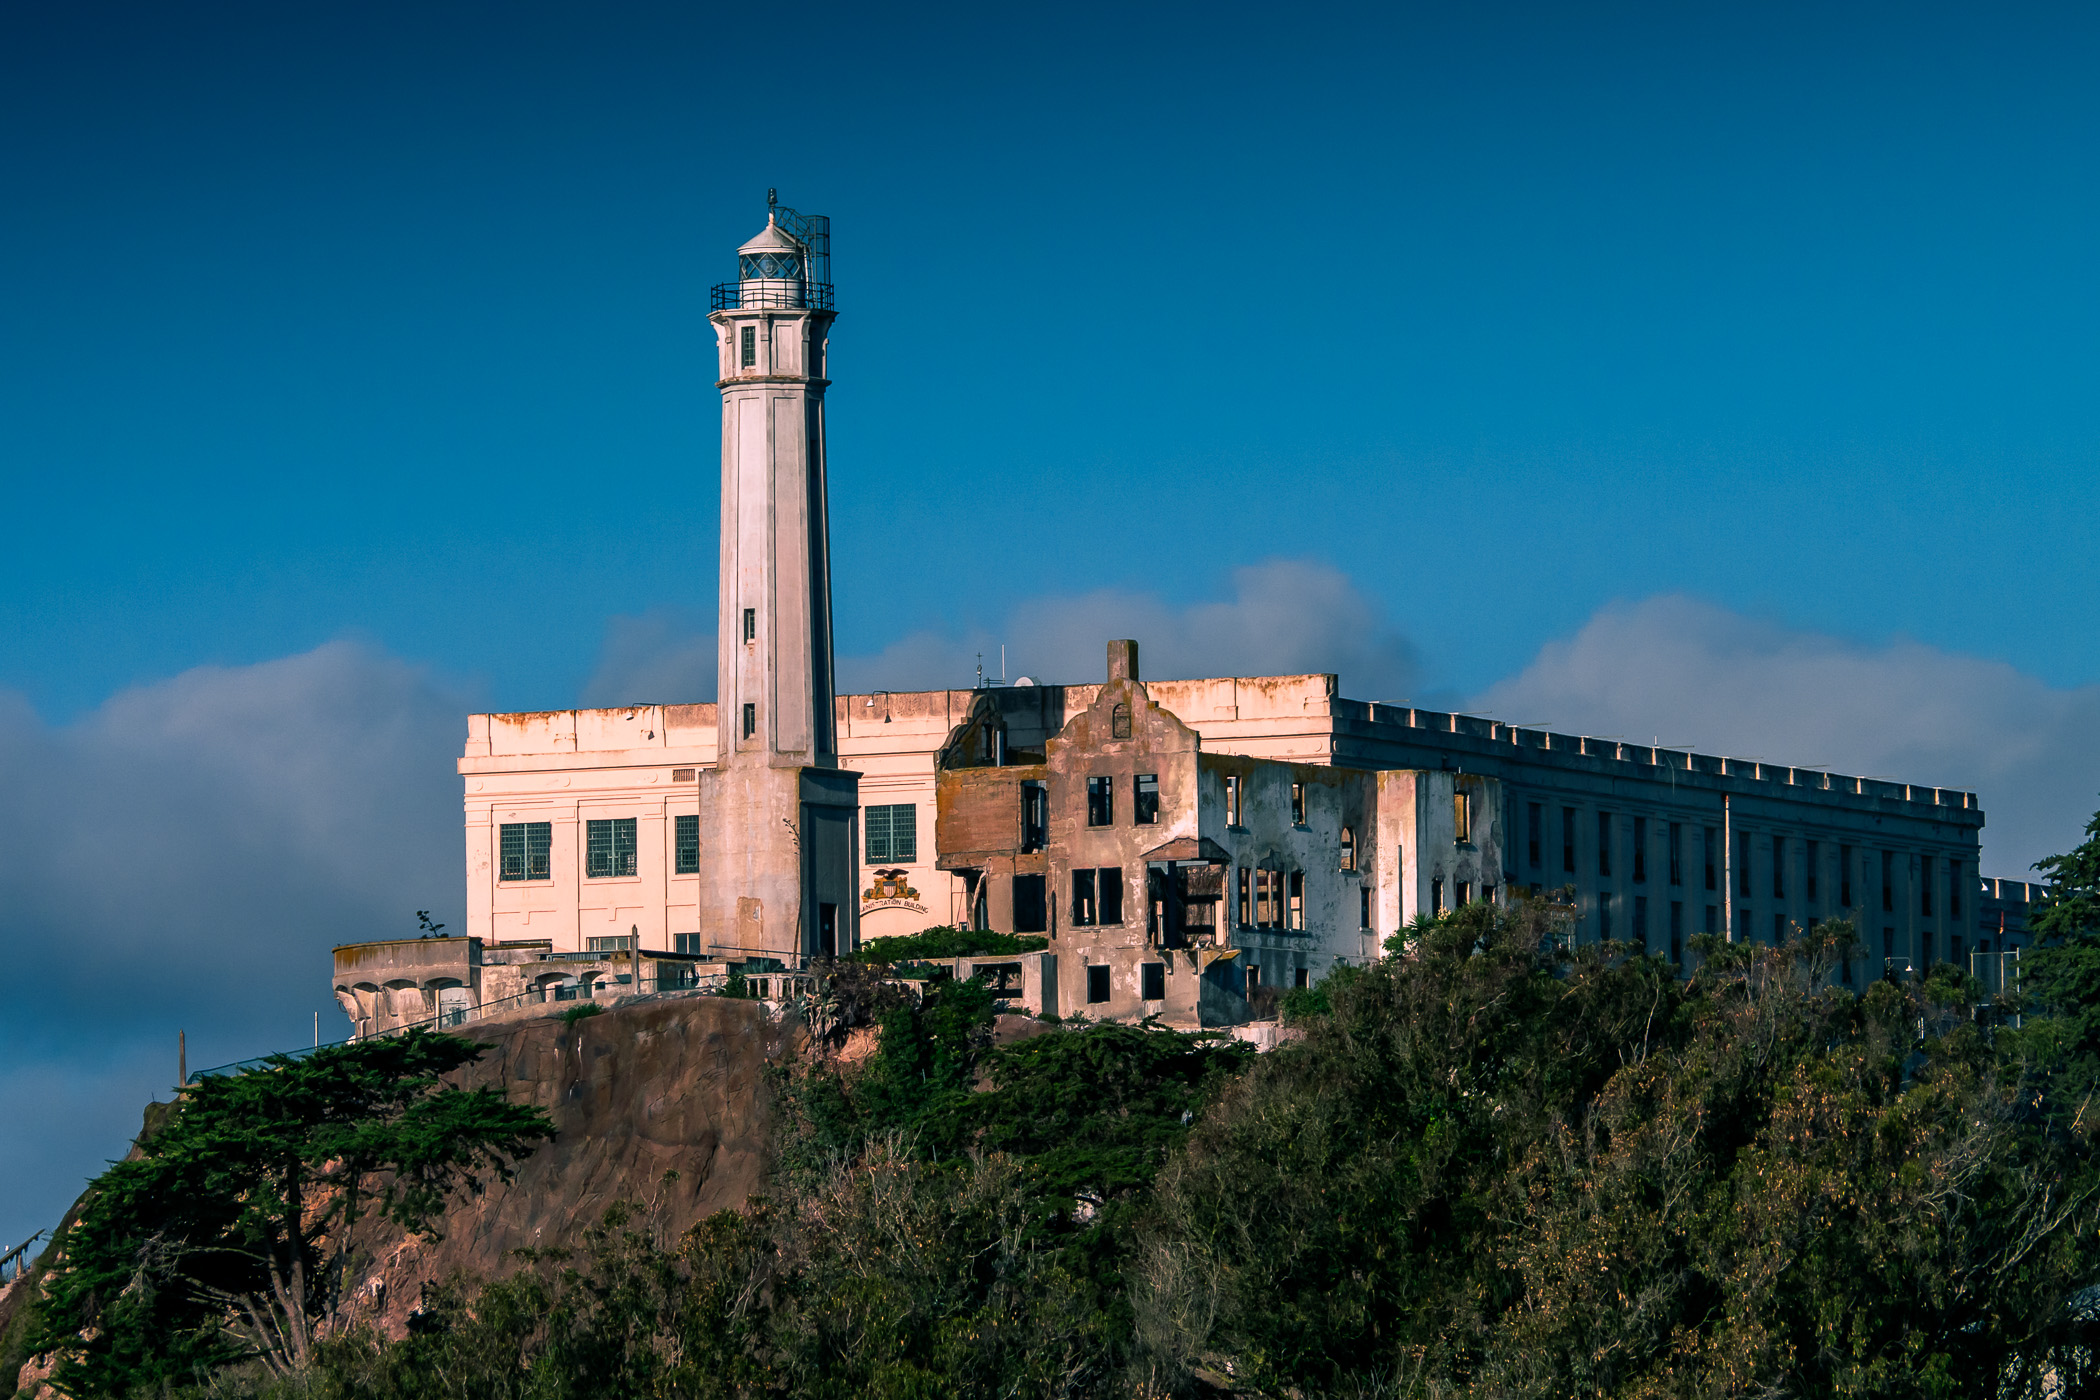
[{"x": 771, "y": 239}]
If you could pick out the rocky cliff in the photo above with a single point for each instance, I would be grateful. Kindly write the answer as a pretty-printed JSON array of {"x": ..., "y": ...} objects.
[{"x": 640, "y": 1090}]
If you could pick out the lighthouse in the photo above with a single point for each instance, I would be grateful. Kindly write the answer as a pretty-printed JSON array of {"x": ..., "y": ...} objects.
[{"x": 778, "y": 817}]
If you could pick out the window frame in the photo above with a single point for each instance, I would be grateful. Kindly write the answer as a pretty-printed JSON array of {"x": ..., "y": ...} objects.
[
  {"x": 527, "y": 831},
  {"x": 1101, "y": 800},
  {"x": 879, "y": 833},
  {"x": 685, "y": 843},
  {"x": 1144, "y": 805},
  {"x": 620, "y": 851}
]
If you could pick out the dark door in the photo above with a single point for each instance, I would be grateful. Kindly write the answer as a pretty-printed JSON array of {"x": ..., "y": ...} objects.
[{"x": 828, "y": 930}]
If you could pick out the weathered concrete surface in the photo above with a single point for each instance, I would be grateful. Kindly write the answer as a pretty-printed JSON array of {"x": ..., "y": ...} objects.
[{"x": 634, "y": 1092}]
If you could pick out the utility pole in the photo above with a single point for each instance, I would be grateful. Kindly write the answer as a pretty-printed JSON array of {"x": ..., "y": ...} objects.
[{"x": 182, "y": 1059}]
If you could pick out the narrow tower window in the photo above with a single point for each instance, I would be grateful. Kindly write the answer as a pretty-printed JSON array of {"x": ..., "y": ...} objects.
[
  {"x": 750, "y": 720},
  {"x": 750, "y": 624},
  {"x": 750, "y": 347}
]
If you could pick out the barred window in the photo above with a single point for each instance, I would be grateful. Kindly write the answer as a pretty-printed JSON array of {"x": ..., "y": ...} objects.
[
  {"x": 608, "y": 848},
  {"x": 688, "y": 842},
  {"x": 892, "y": 832},
  {"x": 526, "y": 848}
]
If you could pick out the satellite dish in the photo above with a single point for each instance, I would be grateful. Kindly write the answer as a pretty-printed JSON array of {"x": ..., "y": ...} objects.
[{"x": 1023, "y": 680}]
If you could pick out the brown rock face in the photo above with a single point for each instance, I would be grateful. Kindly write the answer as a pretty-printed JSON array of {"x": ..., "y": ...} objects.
[{"x": 639, "y": 1090}]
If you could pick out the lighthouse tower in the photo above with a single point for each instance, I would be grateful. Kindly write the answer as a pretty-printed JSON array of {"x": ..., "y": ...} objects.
[{"x": 778, "y": 817}]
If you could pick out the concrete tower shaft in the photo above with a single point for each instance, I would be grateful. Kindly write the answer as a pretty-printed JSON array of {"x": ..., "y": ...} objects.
[{"x": 779, "y": 820}]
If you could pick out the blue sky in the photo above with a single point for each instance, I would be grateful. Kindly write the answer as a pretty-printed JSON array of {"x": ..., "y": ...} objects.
[{"x": 1731, "y": 368}]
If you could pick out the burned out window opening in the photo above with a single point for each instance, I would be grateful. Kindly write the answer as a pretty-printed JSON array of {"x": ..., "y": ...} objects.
[
  {"x": 1232, "y": 800},
  {"x": 750, "y": 720},
  {"x": 1083, "y": 907},
  {"x": 1436, "y": 897},
  {"x": 1035, "y": 817},
  {"x": 1109, "y": 890},
  {"x": 1119, "y": 722},
  {"x": 1031, "y": 904},
  {"x": 1348, "y": 849},
  {"x": 1152, "y": 981},
  {"x": 1100, "y": 801},
  {"x": 1363, "y": 918},
  {"x": 1462, "y": 817},
  {"x": 1096, "y": 983},
  {"x": 1144, "y": 799},
  {"x": 1294, "y": 909},
  {"x": 1302, "y": 978},
  {"x": 1297, "y": 804},
  {"x": 1267, "y": 897},
  {"x": 1245, "y": 913},
  {"x": 1465, "y": 894}
]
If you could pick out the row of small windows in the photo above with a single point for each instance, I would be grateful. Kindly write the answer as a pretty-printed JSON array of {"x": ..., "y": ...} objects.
[
  {"x": 525, "y": 849},
  {"x": 1101, "y": 800},
  {"x": 1708, "y": 850},
  {"x": 1236, "y": 796}
]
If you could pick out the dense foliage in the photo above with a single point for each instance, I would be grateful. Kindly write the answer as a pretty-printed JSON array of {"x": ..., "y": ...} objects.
[
  {"x": 225, "y": 1237},
  {"x": 945, "y": 942},
  {"x": 1489, "y": 1165}
]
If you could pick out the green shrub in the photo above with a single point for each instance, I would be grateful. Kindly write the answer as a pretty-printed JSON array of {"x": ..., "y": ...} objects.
[
  {"x": 577, "y": 1013},
  {"x": 944, "y": 942}
]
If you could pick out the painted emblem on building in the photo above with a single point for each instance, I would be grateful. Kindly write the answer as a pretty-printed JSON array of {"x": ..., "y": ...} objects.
[{"x": 890, "y": 890}]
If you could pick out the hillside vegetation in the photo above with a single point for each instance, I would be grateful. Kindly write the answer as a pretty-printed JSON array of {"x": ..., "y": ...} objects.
[{"x": 1491, "y": 1166}]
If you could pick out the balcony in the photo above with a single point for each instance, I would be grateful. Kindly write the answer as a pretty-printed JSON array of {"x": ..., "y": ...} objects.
[{"x": 771, "y": 296}]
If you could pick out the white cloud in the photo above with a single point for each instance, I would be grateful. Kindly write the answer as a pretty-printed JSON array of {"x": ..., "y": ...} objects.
[
  {"x": 1689, "y": 672},
  {"x": 1285, "y": 617},
  {"x": 665, "y": 657},
  {"x": 184, "y": 857}
]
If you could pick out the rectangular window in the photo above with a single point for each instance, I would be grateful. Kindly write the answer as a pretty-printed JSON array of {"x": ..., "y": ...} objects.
[
  {"x": 1778, "y": 929},
  {"x": 619, "y": 944},
  {"x": 1742, "y": 861},
  {"x": 1294, "y": 913},
  {"x": 1152, "y": 980},
  {"x": 687, "y": 943},
  {"x": 1232, "y": 801},
  {"x": 1083, "y": 907},
  {"x": 1532, "y": 820},
  {"x": 1035, "y": 817},
  {"x": 1604, "y": 915},
  {"x": 1100, "y": 801},
  {"x": 749, "y": 346},
  {"x": 1954, "y": 891},
  {"x": 1567, "y": 839},
  {"x": 1301, "y": 978},
  {"x": 1031, "y": 904},
  {"x": 1268, "y": 902},
  {"x": 1713, "y": 919},
  {"x": 1640, "y": 850},
  {"x": 527, "y": 849},
  {"x": 1465, "y": 894},
  {"x": 1097, "y": 984},
  {"x": 1845, "y": 877},
  {"x": 1462, "y": 817},
  {"x": 1348, "y": 849},
  {"x": 750, "y": 624},
  {"x": 1640, "y": 919},
  {"x": 1924, "y": 950},
  {"x": 1809, "y": 884},
  {"x": 750, "y": 720},
  {"x": 1246, "y": 897},
  {"x": 1888, "y": 882},
  {"x": 1110, "y": 889},
  {"x": 687, "y": 856},
  {"x": 892, "y": 832},
  {"x": 1436, "y": 897},
  {"x": 1676, "y": 853},
  {"x": 1253, "y": 977},
  {"x": 1144, "y": 799},
  {"x": 1604, "y": 844},
  {"x": 1925, "y": 886},
  {"x": 1742, "y": 925},
  {"x": 1779, "y": 867},
  {"x": 1706, "y": 845},
  {"x": 608, "y": 848},
  {"x": 1363, "y": 897},
  {"x": 1677, "y": 931},
  {"x": 1297, "y": 804}
]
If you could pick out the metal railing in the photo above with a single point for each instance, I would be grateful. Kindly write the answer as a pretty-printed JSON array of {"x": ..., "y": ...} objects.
[
  {"x": 16, "y": 1260},
  {"x": 770, "y": 296}
]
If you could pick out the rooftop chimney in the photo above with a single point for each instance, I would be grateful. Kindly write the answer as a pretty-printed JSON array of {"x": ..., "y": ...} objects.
[{"x": 1122, "y": 660}]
